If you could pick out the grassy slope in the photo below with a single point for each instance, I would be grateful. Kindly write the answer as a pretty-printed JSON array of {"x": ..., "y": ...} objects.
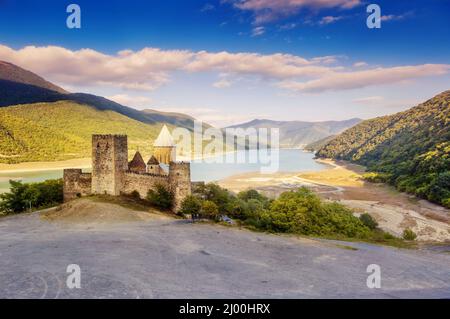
[{"x": 62, "y": 130}]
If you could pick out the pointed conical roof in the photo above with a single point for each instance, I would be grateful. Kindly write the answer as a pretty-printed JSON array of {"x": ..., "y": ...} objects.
[
  {"x": 164, "y": 138},
  {"x": 137, "y": 161},
  {"x": 153, "y": 161}
]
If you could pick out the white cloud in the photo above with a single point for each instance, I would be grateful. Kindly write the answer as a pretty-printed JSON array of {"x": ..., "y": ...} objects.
[
  {"x": 276, "y": 66},
  {"x": 393, "y": 17},
  {"x": 360, "y": 79},
  {"x": 369, "y": 100},
  {"x": 133, "y": 101},
  {"x": 360, "y": 64},
  {"x": 288, "y": 26},
  {"x": 146, "y": 69},
  {"x": 257, "y": 31},
  {"x": 221, "y": 84},
  {"x": 149, "y": 68},
  {"x": 330, "y": 19},
  {"x": 269, "y": 10}
]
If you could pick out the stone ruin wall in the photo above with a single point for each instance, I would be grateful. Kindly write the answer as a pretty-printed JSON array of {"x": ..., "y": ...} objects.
[
  {"x": 76, "y": 184},
  {"x": 142, "y": 182}
]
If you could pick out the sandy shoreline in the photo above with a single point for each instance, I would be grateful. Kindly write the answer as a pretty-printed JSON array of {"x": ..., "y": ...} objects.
[
  {"x": 75, "y": 163},
  {"x": 45, "y": 166}
]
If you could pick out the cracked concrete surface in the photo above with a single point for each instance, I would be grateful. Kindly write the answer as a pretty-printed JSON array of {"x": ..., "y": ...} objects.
[{"x": 176, "y": 259}]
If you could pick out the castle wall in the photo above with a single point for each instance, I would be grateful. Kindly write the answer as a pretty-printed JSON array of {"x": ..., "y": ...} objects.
[
  {"x": 111, "y": 175},
  {"x": 109, "y": 163},
  {"x": 142, "y": 182},
  {"x": 180, "y": 182},
  {"x": 76, "y": 184}
]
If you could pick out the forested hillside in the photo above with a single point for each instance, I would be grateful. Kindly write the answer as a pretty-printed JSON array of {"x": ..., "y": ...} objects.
[
  {"x": 317, "y": 145},
  {"x": 410, "y": 149},
  {"x": 62, "y": 130}
]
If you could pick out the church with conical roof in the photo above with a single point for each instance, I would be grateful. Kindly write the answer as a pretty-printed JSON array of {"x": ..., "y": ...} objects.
[
  {"x": 164, "y": 147},
  {"x": 112, "y": 173}
]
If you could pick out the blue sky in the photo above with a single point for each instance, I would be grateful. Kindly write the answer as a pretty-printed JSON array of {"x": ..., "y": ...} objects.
[{"x": 233, "y": 60}]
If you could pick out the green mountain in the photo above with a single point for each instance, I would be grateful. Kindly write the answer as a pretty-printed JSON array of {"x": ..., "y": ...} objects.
[
  {"x": 40, "y": 121},
  {"x": 19, "y": 86},
  {"x": 62, "y": 130},
  {"x": 410, "y": 149},
  {"x": 298, "y": 133}
]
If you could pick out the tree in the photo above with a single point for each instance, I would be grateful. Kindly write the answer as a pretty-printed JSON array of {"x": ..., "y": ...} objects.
[
  {"x": 191, "y": 205},
  {"x": 220, "y": 196},
  {"x": 160, "y": 197},
  {"x": 209, "y": 210},
  {"x": 23, "y": 196}
]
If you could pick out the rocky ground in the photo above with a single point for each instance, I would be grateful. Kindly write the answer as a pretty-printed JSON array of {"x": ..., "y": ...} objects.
[{"x": 149, "y": 256}]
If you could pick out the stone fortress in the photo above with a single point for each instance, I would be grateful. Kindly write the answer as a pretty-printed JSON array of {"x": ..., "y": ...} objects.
[{"x": 112, "y": 174}]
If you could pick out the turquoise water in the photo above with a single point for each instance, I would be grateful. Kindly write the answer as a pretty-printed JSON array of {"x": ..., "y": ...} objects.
[{"x": 290, "y": 160}]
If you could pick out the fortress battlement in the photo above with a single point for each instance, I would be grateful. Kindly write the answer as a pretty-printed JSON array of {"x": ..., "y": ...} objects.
[
  {"x": 108, "y": 135},
  {"x": 146, "y": 174}
]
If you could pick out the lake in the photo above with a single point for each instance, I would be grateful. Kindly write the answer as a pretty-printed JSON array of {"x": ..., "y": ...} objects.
[{"x": 290, "y": 160}]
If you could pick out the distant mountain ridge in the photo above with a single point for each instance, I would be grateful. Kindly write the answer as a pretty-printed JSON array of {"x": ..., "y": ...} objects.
[
  {"x": 19, "y": 86},
  {"x": 300, "y": 133},
  {"x": 410, "y": 149},
  {"x": 14, "y": 73},
  {"x": 40, "y": 121}
]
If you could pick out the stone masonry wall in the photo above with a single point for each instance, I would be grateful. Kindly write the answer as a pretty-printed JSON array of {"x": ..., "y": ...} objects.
[
  {"x": 109, "y": 163},
  {"x": 180, "y": 182},
  {"x": 76, "y": 183},
  {"x": 142, "y": 182}
]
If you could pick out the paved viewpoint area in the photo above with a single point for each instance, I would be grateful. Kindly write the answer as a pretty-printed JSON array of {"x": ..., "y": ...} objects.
[{"x": 168, "y": 258}]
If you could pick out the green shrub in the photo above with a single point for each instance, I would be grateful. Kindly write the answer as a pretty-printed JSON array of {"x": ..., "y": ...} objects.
[
  {"x": 161, "y": 197},
  {"x": 23, "y": 196},
  {"x": 191, "y": 205},
  {"x": 368, "y": 220},
  {"x": 303, "y": 212},
  {"x": 374, "y": 177},
  {"x": 220, "y": 196},
  {"x": 209, "y": 210},
  {"x": 408, "y": 234}
]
